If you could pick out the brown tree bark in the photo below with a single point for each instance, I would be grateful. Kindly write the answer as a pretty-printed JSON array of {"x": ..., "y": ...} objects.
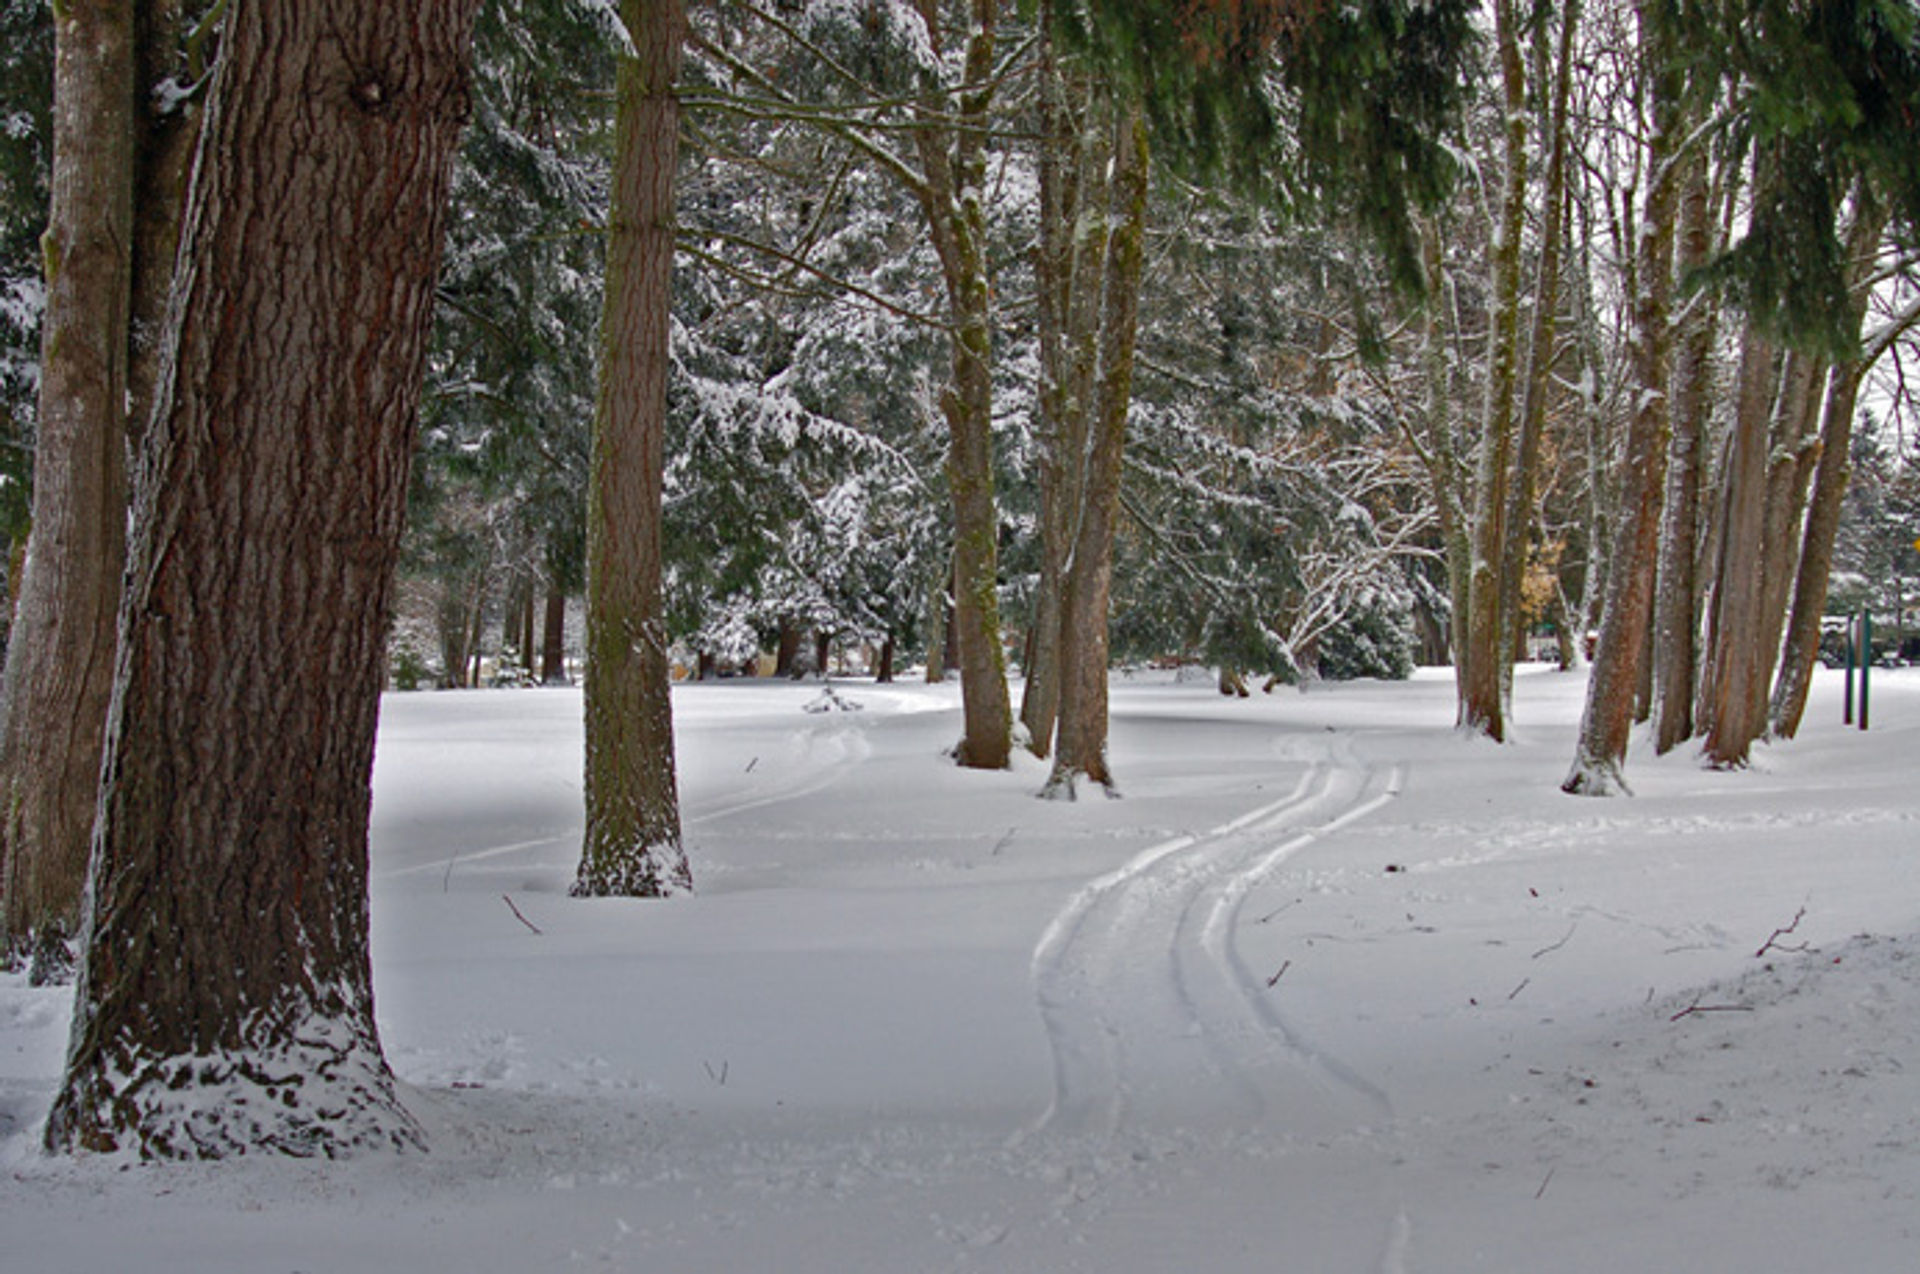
[
  {"x": 1088, "y": 583},
  {"x": 1734, "y": 684},
  {"x": 1542, "y": 347},
  {"x": 952, "y": 145},
  {"x": 1061, "y": 410},
  {"x": 59, "y": 667},
  {"x": 1677, "y": 602},
  {"x": 632, "y": 842},
  {"x": 1802, "y": 649},
  {"x": 553, "y": 640},
  {"x": 1483, "y": 708},
  {"x": 1613, "y": 686},
  {"x": 225, "y": 1002}
]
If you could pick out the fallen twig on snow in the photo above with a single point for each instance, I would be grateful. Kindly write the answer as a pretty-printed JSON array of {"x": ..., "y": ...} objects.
[
  {"x": 1556, "y": 946},
  {"x": 1773, "y": 941},
  {"x": 506, "y": 898},
  {"x": 1282, "y": 973},
  {"x": 1697, "y": 1007}
]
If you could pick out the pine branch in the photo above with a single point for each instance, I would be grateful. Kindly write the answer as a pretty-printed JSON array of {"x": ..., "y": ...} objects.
[{"x": 772, "y": 284}]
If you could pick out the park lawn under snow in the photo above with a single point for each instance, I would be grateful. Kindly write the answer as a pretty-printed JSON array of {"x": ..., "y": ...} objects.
[{"x": 1332, "y": 989}]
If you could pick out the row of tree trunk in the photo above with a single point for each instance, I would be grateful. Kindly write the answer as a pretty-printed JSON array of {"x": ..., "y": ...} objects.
[{"x": 1713, "y": 531}]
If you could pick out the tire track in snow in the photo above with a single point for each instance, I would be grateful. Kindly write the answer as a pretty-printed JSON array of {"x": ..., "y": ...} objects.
[{"x": 1153, "y": 1019}]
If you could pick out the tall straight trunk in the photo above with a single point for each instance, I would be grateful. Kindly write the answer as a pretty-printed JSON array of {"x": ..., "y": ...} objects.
[
  {"x": 939, "y": 620},
  {"x": 1735, "y": 681},
  {"x": 1061, "y": 412},
  {"x": 954, "y": 159},
  {"x": 1613, "y": 687},
  {"x": 163, "y": 160},
  {"x": 1677, "y": 603},
  {"x": 1441, "y": 458},
  {"x": 59, "y": 667},
  {"x": 632, "y": 846},
  {"x": 1483, "y": 709},
  {"x": 1793, "y": 453},
  {"x": 553, "y": 641},
  {"x": 1541, "y": 348},
  {"x": 224, "y": 1002},
  {"x": 1802, "y": 648},
  {"x": 1083, "y": 682},
  {"x": 527, "y": 640}
]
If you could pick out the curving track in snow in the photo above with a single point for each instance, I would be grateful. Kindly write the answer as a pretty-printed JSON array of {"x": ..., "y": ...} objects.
[{"x": 1156, "y": 1023}]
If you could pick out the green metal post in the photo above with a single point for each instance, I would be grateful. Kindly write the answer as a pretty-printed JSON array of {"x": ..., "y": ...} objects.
[
  {"x": 1866, "y": 661},
  {"x": 1846, "y": 714}
]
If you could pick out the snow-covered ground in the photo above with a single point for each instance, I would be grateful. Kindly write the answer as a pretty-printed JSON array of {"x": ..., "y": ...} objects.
[{"x": 1331, "y": 989}]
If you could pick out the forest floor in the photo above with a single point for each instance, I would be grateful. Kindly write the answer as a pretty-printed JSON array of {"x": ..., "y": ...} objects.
[{"x": 1332, "y": 988}]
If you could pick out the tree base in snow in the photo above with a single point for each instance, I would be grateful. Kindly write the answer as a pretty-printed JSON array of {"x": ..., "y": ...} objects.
[
  {"x": 312, "y": 1099},
  {"x": 1064, "y": 785},
  {"x": 653, "y": 871},
  {"x": 1595, "y": 778}
]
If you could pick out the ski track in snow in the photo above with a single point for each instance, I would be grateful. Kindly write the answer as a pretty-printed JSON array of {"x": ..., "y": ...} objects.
[{"x": 1152, "y": 1014}]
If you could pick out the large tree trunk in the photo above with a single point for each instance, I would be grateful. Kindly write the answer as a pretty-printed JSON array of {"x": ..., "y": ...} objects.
[
  {"x": 632, "y": 844},
  {"x": 1061, "y": 413},
  {"x": 1735, "y": 680},
  {"x": 1083, "y": 613},
  {"x": 59, "y": 668},
  {"x": 553, "y": 641},
  {"x": 1793, "y": 451},
  {"x": 1677, "y": 603},
  {"x": 163, "y": 159},
  {"x": 1802, "y": 649},
  {"x": 1542, "y": 349},
  {"x": 953, "y": 155},
  {"x": 1614, "y": 684},
  {"x": 1441, "y": 458},
  {"x": 225, "y": 1002},
  {"x": 1485, "y": 653}
]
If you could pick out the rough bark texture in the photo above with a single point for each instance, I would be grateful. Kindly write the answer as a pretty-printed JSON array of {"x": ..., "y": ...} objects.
[
  {"x": 163, "y": 157},
  {"x": 1613, "y": 686},
  {"x": 632, "y": 843},
  {"x": 59, "y": 669},
  {"x": 225, "y": 1003},
  {"x": 553, "y": 640},
  {"x": 1485, "y": 654},
  {"x": 1793, "y": 452},
  {"x": 1542, "y": 347},
  {"x": 1677, "y": 603},
  {"x": 1089, "y": 578},
  {"x": 1053, "y": 279},
  {"x": 1441, "y": 458},
  {"x": 953, "y": 156},
  {"x": 1802, "y": 648},
  {"x": 1735, "y": 679}
]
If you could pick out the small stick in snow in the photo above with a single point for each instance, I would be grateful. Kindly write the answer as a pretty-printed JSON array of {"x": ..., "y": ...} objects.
[
  {"x": 1697, "y": 1007},
  {"x": 1556, "y": 946},
  {"x": 1003, "y": 842},
  {"x": 1773, "y": 942},
  {"x": 1276, "y": 911},
  {"x": 1281, "y": 974},
  {"x": 516, "y": 912},
  {"x": 1517, "y": 990},
  {"x": 717, "y": 1076},
  {"x": 1543, "y": 1185},
  {"x": 750, "y": 765}
]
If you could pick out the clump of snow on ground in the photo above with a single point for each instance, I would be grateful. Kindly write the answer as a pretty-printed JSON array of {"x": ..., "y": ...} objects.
[{"x": 1332, "y": 988}]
